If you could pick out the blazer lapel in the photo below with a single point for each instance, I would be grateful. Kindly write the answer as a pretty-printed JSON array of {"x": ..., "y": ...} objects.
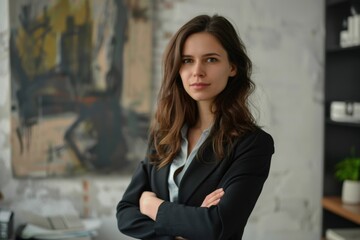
[
  {"x": 160, "y": 180},
  {"x": 197, "y": 172}
]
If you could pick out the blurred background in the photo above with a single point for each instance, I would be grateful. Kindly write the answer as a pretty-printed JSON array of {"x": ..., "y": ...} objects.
[{"x": 286, "y": 40}]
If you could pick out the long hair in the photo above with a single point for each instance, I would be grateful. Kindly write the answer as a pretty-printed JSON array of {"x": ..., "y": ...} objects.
[{"x": 175, "y": 107}]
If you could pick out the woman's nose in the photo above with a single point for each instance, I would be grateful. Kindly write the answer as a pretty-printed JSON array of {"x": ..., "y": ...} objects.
[{"x": 199, "y": 70}]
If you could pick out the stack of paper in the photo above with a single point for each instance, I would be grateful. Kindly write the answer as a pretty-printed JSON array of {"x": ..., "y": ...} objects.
[{"x": 59, "y": 227}]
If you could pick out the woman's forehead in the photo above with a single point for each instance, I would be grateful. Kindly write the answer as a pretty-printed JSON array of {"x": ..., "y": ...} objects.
[{"x": 202, "y": 43}]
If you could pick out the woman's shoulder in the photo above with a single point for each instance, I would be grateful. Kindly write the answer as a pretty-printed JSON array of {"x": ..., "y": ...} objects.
[
  {"x": 261, "y": 134},
  {"x": 257, "y": 139}
]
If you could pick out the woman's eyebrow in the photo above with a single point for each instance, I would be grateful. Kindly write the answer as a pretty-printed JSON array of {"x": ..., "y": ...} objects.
[
  {"x": 204, "y": 55},
  {"x": 211, "y": 54}
]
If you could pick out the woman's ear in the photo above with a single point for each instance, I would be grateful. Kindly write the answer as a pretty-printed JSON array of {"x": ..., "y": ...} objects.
[{"x": 233, "y": 70}]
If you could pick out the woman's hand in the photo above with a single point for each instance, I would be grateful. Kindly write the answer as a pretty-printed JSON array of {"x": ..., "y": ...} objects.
[
  {"x": 213, "y": 198},
  {"x": 149, "y": 204}
]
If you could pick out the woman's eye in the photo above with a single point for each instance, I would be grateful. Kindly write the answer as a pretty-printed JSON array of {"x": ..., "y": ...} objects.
[
  {"x": 211, "y": 60},
  {"x": 186, "y": 60}
]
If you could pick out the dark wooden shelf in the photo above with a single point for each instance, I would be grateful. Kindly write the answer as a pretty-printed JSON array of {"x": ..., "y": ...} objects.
[
  {"x": 335, "y": 2},
  {"x": 348, "y": 211},
  {"x": 341, "y": 83},
  {"x": 345, "y": 124},
  {"x": 338, "y": 49}
]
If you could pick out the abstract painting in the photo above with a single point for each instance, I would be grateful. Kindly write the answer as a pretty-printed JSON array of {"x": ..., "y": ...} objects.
[{"x": 80, "y": 86}]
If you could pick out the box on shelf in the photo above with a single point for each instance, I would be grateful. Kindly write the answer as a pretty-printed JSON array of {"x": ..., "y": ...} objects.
[
  {"x": 351, "y": 36},
  {"x": 345, "y": 111}
]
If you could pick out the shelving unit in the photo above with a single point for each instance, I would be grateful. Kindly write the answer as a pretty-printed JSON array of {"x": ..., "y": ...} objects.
[{"x": 342, "y": 83}]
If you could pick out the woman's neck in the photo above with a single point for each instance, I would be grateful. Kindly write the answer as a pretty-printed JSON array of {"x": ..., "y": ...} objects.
[{"x": 206, "y": 117}]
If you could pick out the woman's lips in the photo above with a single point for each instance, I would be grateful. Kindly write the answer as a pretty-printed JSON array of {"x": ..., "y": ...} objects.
[{"x": 199, "y": 85}]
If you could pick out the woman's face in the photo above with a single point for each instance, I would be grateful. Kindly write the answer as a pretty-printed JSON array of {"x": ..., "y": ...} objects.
[{"x": 205, "y": 67}]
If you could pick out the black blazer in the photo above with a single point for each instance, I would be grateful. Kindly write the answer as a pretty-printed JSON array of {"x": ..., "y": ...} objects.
[{"x": 241, "y": 174}]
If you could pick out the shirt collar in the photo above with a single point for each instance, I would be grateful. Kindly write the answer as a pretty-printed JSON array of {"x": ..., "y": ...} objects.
[{"x": 185, "y": 128}]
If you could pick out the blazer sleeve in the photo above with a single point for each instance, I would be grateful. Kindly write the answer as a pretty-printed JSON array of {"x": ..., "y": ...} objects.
[
  {"x": 242, "y": 183},
  {"x": 129, "y": 218}
]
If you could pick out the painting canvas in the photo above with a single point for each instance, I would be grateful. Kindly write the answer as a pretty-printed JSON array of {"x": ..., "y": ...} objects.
[{"x": 80, "y": 86}]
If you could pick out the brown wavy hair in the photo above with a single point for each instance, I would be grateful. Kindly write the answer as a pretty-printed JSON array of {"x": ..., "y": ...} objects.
[{"x": 175, "y": 107}]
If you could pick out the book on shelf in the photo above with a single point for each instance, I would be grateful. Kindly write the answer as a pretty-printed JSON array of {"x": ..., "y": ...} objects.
[
  {"x": 345, "y": 112},
  {"x": 6, "y": 224},
  {"x": 343, "y": 234}
]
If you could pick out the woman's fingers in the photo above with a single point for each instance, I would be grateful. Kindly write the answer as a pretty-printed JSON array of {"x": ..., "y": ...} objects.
[{"x": 213, "y": 198}]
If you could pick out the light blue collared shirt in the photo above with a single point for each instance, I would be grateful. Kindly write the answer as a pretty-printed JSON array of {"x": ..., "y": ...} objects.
[{"x": 181, "y": 162}]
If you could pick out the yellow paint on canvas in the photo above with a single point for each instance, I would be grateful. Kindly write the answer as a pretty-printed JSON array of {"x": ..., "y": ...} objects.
[{"x": 38, "y": 49}]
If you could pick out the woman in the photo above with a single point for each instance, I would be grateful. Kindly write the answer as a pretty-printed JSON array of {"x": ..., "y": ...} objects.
[{"x": 207, "y": 159}]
